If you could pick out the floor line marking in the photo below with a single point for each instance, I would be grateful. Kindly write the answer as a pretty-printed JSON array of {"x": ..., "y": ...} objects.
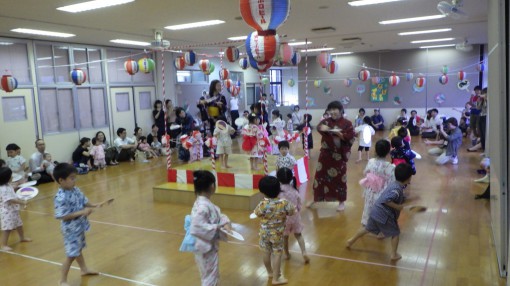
[{"x": 77, "y": 268}]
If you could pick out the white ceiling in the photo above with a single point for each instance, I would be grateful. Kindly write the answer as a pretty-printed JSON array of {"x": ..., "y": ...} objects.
[{"x": 137, "y": 20}]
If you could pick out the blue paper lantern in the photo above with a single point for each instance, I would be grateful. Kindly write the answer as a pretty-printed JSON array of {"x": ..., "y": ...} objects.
[
  {"x": 243, "y": 63},
  {"x": 78, "y": 76},
  {"x": 190, "y": 58},
  {"x": 265, "y": 16}
]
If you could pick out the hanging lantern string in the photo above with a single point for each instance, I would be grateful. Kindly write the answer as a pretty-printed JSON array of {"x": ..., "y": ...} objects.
[
  {"x": 93, "y": 62},
  {"x": 305, "y": 135}
]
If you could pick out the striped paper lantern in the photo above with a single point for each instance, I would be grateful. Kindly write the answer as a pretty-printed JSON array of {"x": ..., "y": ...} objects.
[
  {"x": 420, "y": 81},
  {"x": 324, "y": 59},
  {"x": 260, "y": 67},
  {"x": 131, "y": 67},
  {"x": 78, "y": 76},
  {"x": 204, "y": 65},
  {"x": 480, "y": 67},
  {"x": 347, "y": 82},
  {"x": 296, "y": 59},
  {"x": 190, "y": 58},
  {"x": 146, "y": 65},
  {"x": 394, "y": 80},
  {"x": 224, "y": 73},
  {"x": 228, "y": 83},
  {"x": 461, "y": 75},
  {"x": 210, "y": 70},
  {"x": 364, "y": 75},
  {"x": 9, "y": 83},
  {"x": 243, "y": 63},
  {"x": 443, "y": 79},
  {"x": 179, "y": 63},
  {"x": 232, "y": 54},
  {"x": 409, "y": 76},
  {"x": 444, "y": 69},
  {"x": 286, "y": 52},
  {"x": 263, "y": 49},
  {"x": 332, "y": 67},
  {"x": 264, "y": 15},
  {"x": 234, "y": 90}
]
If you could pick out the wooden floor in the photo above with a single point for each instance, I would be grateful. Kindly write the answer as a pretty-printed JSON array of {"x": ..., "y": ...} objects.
[{"x": 135, "y": 241}]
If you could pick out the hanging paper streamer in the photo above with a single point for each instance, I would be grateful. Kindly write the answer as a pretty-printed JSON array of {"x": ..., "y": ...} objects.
[
  {"x": 263, "y": 49},
  {"x": 327, "y": 90},
  {"x": 286, "y": 53},
  {"x": 461, "y": 75},
  {"x": 443, "y": 79},
  {"x": 179, "y": 63},
  {"x": 146, "y": 65},
  {"x": 291, "y": 82},
  {"x": 317, "y": 83},
  {"x": 347, "y": 82},
  {"x": 345, "y": 100},
  {"x": 409, "y": 76},
  {"x": 265, "y": 81},
  {"x": 420, "y": 81},
  {"x": 444, "y": 69},
  {"x": 360, "y": 89},
  {"x": 364, "y": 74},
  {"x": 204, "y": 65},
  {"x": 232, "y": 54},
  {"x": 397, "y": 100},
  {"x": 394, "y": 80},
  {"x": 224, "y": 73},
  {"x": 78, "y": 76},
  {"x": 190, "y": 57},
  {"x": 439, "y": 98},
  {"x": 243, "y": 63},
  {"x": 324, "y": 59},
  {"x": 296, "y": 59},
  {"x": 264, "y": 15},
  {"x": 480, "y": 67},
  {"x": 131, "y": 67},
  {"x": 332, "y": 67}
]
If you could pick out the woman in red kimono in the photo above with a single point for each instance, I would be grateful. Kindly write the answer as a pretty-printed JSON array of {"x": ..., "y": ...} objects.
[{"x": 330, "y": 183}]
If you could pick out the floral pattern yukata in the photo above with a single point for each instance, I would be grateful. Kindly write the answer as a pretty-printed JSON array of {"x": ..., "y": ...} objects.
[
  {"x": 273, "y": 214},
  {"x": 9, "y": 213},
  {"x": 330, "y": 183},
  {"x": 293, "y": 224},
  {"x": 385, "y": 173},
  {"x": 206, "y": 221},
  {"x": 67, "y": 202}
]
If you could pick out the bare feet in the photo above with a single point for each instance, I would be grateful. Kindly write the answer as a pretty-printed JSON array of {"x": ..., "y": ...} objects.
[
  {"x": 270, "y": 275},
  {"x": 396, "y": 257},
  {"x": 349, "y": 244},
  {"x": 287, "y": 256},
  {"x": 306, "y": 258},
  {"x": 341, "y": 207},
  {"x": 6, "y": 248},
  {"x": 310, "y": 204},
  {"x": 25, "y": 239},
  {"x": 280, "y": 281},
  {"x": 63, "y": 283},
  {"x": 89, "y": 272}
]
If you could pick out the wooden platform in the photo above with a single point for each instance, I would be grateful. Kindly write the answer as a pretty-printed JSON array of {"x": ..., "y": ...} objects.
[{"x": 225, "y": 197}]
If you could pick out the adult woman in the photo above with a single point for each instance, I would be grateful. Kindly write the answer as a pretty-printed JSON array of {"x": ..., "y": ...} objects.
[
  {"x": 216, "y": 103},
  {"x": 184, "y": 120},
  {"x": 137, "y": 134},
  {"x": 159, "y": 118},
  {"x": 109, "y": 151},
  {"x": 330, "y": 183},
  {"x": 297, "y": 117},
  {"x": 170, "y": 110},
  {"x": 81, "y": 155}
]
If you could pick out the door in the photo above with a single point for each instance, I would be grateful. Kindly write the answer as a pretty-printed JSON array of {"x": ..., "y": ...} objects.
[
  {"x": 123, "y": 110},
  {"x": 16, "y": 114},
  {"x": 144, "y": 100}
]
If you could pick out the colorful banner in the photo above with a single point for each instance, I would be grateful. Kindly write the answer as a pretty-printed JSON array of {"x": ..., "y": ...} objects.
[{"x": 379, "y": 91}]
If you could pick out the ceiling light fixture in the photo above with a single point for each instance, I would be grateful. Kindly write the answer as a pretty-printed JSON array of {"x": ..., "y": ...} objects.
[
  {"x": 238, "y": 38},
  {"x": 370, "y": 2},
  {"x": 92, "y": 5},
  {"x": 425, "y": 32},
  {"x": 432, "y": 40},
  {"x": 437, "y": 46},
  {"x": 6, "y": 43},
  {"x": 340, "y": 54},
  {"x": 299, "y": 43},
  {"x": 42, "y": 33},
  {"x": 129, "y": 42},
  {"x": 195, "y": 25},
  {"x": 415, "y": 19},
  {"x": 317, "y": 50}
]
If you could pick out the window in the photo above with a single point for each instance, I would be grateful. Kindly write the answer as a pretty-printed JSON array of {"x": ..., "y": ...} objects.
[
  {"x": 191, "y": 76},
  {"x": 275, "y": 85},
  {"x": 62, "y": 67},
  {"x": 145, "y": 100},
  {"x": 122, "y": 101},
  {"x": 92, "y": 107},
  {"x": 89, "y": 60},
  {"x": 14, "y": 59},
  {"x": 13, "y": 108},
  {"x": 57, "y": 112}
]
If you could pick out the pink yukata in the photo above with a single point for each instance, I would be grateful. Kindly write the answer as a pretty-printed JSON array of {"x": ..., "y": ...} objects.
[
  {"x": 206, "y": 221},
  {"x": 293, "y": 223}
]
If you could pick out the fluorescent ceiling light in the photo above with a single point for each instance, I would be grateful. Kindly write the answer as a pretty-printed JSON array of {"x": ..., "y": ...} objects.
[
  {"x": 299, "y": 43},
  {"x": 342, "y": 53},
  {"x": 415, "y": 19},
  {"x": 425, "y": 32},
  {"x": 432, "y": 40},
  {"x": 437, "y": 46},
  {"x": 42, "y": 33},
  {"x": 129, "y": 42},
  {"x": 317, "y": 50},
  {"x": 6, "y": 43},
  {"x": 369, "y": 2},
  {"x": 92, "y": 5},
  {"x": 195, "y": 25},
  {"x": 238, "y": 38}
]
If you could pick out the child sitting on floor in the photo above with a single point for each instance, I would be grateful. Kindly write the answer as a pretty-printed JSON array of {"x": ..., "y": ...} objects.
[{"x": 400, "y": 154}]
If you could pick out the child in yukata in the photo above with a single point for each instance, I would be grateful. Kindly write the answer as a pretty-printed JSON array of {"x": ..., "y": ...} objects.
[
  {"x": 386, "y": 210},
  {"x": 273, "y": 213},
  {"x": 224, "y": 146},
  {"x": 206, "y": 222},
  {"x": 47, "y": 164},
  {"x": 72, "y": 208}
]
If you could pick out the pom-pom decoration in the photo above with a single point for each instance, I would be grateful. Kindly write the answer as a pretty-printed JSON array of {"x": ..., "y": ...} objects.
[
  {"x": 296, "y": 59},
  {"x": 263, "y": 49},
  {"x": 291, "y": 82},
  {"x": 324, "y": 58},
  {"x": 461, "y": 75},
  {"x": 228, "y": 83},
  {"x": 444, "y": 69},
  {"x": 394, "y": 80},
  {"x": 204, "y": 65},
  {"x": 243, "y": 63},
  {"x": 265, "y": 81},
  {"x": 234, "y": 90},
  {"x": 364, "y": 75},
  {"x": 131, "y": 66},
  {"x": 409, "y": 76},
  {"x": 260, "y": 67},
  {"x": 264, "y": 15},
  {"x": 332, "y": 67},
  {"x": 232, "y": 54},
  {"x": 480, "y": 67},
  {"x": 224, "y": 74},
  {"x": 78, "y": 76},
  {"x": 286, "y": 52},
  {"x": 420, "y": 81},
  {"x": 317, "y": 83},
  {"x": 347, "y": 82},
  {"x": 179, "y": 63},
  {"x": 9, "y": 83},
  {"x": 146, "y": 65},
  {"x": 190, "y": 58},
  {"x": 443, "y": 79}
]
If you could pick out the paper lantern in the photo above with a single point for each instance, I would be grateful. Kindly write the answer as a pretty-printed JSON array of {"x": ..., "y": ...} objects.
[
  {"x": 461, "y": 75},
  {"x": 228, "y": 83},
  {"x": 180, "y": 63},
  {"x": 78, "y": 76},
  {"x": 324, "y": 58},
  {"x": 347, "y": 82},
  {"x": 9, "y": 83},
  {"x": 443, "y": 79},
  {"x": 190, "y": 58},
  {"x": 291, "y": 82},
  {"x": 394, "y": 80},
  {"x": 444, "y": 69},
  {"x": 480, "y": 67},
  {"x": 286, "y": 52},
  {"x": 296, "y": 59},
  {"x": 146, "y": 65},
  {"x": 204, "y": 65},
  {"x": 264, "y": 15},
  {"x": 131, "y": 67},
  {"x": 364, "y": 75},
  {"x": 234, "y": 90},
  {"x": 260, "y": 67},
  {"x": 232, "y": 54},
  {"x": 262, "y": 48},
  {"x": 332, "y": 67},
  {"x": 224, "y": 73},
  {"x": 409, "y": 76},
  {"x": 210, "y": 70},
  {"x": 243, "y": 63},
  {"x": 317, "y": 83},
  {"x": 238, "y": 83},
  {"x": 420, "y": 81},
  {"x": 265, "y": 81}
]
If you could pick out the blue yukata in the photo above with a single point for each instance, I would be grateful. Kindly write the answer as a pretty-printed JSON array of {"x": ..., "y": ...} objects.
[
  {"x": 67, "y": 202},
  {"x": 383, "y": 218}
]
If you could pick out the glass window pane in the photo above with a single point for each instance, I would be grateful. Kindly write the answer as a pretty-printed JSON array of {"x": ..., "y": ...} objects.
[
  {"x": 44, "y": 59},
  {"x": 183, "y": 76},
  {"x": 85, "y": 108},
  {"x": 66, "y": 109},
  {"x": 198, "y": 77},
  {"x": 145, "y": 100},
  {"x": 13, "y": 108},
  {"x": 122, "y": 101},
  {"x": 14, "y": 59},
  {"x": 99, "y": 108},
  {"x": 80, "y": 60},
  {"x": 49, "y": 110},
  {"x": 116, "y": 72},
  {"x": 95, "y": 70},
  {"x": 62, "y": 68}
]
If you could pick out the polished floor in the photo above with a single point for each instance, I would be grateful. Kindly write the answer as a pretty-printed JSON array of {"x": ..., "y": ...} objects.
[{"x": 135, "y": 240}]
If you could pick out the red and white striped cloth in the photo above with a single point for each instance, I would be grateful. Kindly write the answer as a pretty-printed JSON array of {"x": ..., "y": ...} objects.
[{"x": 238, "y": 181}]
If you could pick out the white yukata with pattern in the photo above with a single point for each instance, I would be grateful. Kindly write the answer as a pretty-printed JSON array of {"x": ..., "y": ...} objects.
[{"x": 9, "y": 213}]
